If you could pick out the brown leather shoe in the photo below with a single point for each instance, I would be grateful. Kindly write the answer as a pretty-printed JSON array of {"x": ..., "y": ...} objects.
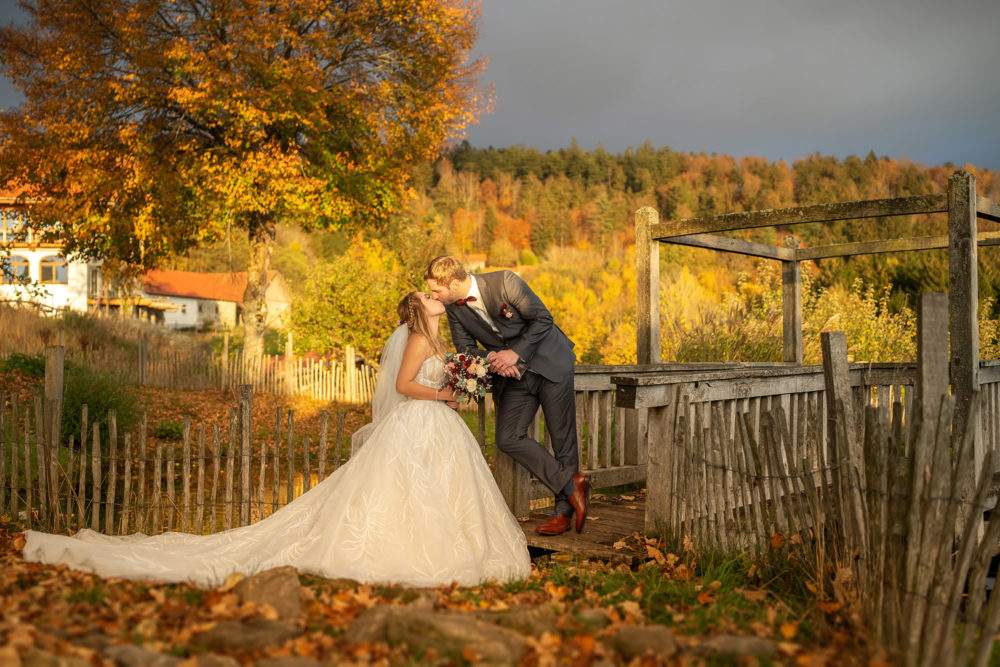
[
  {"x": 580, "y": 498},
  {"x": 556, "y": 524}
]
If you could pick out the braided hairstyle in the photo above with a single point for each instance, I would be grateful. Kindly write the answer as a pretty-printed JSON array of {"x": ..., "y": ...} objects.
[{"x": 411, "y": 313}]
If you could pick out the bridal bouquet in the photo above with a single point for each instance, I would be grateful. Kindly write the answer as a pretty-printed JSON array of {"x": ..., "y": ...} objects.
[{"x": 467, "y": 375}]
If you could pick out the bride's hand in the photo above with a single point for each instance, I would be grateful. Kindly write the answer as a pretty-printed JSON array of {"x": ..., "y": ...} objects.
[{"x": 446, "y": 395}]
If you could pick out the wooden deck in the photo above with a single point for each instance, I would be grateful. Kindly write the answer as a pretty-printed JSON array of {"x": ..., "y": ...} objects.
[{"x": 609, "y": 519}]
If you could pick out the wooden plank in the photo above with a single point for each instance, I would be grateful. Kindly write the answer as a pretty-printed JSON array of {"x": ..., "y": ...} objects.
[
  {"x": 245, "y": 444},
  {"x": 324, "y": 418},
  {"x": 647, "y": 268},
  {"x": 123, "y": 525},
  {"x": 14, "y": 444},
  {"x": 199, "y": 497},
  {"x": 932, "y": 355},
  {"x": 306, "y": 464},
  {"x": 141, "y": 505},
  {"x": 276, "y": 466},
  {"x": 987, "y": 209},
  {"x": 158, "y": 488},
  {"x": 609, "y": 520},
  {"x": 3, "y": 456},
  {"x": 230, "y": 467},
  {"x": 290, "y": 433},
  {"x": 963, "y": 305},
  {"x": 109, "y": 504},
  {"x": 28, "y": 477},
  {"x": 737, "y": 246},
  {"x": 888, "y": 245},
  {"x": 593, "y": 429},
  {"x": 41, "y": 460},
  {"x": 855, "y": 210},
  {"x": 95, "y": 471},
  {"x": 213, "y": 519},
  {"x": 791, "y": 312},
  {"x": 185, "y": 520},
  {"x": 171, "y": 487},
  {"x": 55, "y": 358}
]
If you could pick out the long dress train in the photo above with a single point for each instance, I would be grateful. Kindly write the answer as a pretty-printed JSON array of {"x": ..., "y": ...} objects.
[{"x": 415, "y": 505}]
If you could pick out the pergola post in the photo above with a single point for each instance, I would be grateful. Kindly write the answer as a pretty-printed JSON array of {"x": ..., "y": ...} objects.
[
  {"x": 647, "y": 287},
  {"x": 963, "y": 302},
  {"x": 791, "y": 306}
]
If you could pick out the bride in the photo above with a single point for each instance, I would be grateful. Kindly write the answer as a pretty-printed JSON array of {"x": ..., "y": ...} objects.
[{"x": 416, "y": 504}]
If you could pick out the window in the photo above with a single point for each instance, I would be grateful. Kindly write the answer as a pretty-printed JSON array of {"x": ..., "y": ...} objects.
[
  {"x": 15, "y": 268},
  {"x": 11, "y": 226},
  {"x": 54, "y": 270}
]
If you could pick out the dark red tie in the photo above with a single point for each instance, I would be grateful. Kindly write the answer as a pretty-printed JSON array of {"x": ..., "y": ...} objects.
[{"x": 462, "y": 302}]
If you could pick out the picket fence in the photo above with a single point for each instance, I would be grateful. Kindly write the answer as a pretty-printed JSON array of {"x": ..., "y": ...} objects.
[
  {"x": 217, "y": 477},
  {"x": 146, "y": 363}
]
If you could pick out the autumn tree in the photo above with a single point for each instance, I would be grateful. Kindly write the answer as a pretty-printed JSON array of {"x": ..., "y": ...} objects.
[{"x": 150, "y": 127}]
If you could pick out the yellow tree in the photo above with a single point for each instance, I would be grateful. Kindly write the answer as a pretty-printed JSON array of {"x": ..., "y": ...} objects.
[{"x": 152, "y": 126}]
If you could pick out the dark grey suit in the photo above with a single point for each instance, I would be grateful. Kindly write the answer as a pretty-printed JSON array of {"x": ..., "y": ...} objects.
[{"x": 546, "y": 375}]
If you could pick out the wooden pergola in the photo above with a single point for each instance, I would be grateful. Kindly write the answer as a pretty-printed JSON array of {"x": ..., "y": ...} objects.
[{"x": 961, "y": 203}]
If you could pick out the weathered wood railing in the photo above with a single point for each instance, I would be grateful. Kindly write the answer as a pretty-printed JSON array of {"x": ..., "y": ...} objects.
[
  {"x": 700, "y": 450},
  {"x": 611, "y": 439}
]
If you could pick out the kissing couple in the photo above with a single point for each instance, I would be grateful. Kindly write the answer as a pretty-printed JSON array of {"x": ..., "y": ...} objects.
[{"x": 416, "y": 503}]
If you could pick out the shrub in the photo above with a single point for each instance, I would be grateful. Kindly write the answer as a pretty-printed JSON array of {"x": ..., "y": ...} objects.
[
  {"x": 100, "y": 392},
  {"x": 32, "y": 365},
  {"x": 168, "y": 430}
]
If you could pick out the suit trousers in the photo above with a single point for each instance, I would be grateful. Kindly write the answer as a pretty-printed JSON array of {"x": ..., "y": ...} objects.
[{"x": 516, "y": 405}]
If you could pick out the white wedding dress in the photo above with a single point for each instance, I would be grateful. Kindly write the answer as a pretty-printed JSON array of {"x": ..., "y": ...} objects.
[{"x": 415, "y": 505}]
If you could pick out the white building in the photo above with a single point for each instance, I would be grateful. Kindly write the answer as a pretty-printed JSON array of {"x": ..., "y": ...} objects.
[
  {"x": 56, "y": 282},
  {"x": 206, "y": 300}
]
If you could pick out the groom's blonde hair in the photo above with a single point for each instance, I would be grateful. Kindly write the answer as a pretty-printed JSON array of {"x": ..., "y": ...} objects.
[{"x": 444, "y": 269}]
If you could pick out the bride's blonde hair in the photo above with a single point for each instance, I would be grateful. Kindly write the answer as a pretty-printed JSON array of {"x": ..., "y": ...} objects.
[{"x": 411, "y": 313}]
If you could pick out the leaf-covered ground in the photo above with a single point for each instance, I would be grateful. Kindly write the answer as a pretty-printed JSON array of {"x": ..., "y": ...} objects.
[{"x": 63, "y": 612}]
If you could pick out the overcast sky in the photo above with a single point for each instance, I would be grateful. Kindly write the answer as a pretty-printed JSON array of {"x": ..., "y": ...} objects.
[{"x": 775, "y": 78}]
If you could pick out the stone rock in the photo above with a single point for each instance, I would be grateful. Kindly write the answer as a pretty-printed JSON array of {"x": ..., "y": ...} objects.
[
  {"x": 528, "y": 620},
  {"x": 249, "y": 636},
  {"x": 594, "y": 619},
  {"x": 633, "y": 641},
  {"x": 287, "y": 661},
  {"x": 39, "y": 658},
  {"x": 126, "y": 655},
  {"x": 213, "y": 660},
  {"x": 278, "y": 587},
  {"x": 96, "y": 641},
  {"x": 735, "y": 646},
  {"x": 448, "y": 633}
]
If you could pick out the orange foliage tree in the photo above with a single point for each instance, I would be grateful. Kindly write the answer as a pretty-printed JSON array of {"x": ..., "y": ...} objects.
[{"x": 153, "y": 126}]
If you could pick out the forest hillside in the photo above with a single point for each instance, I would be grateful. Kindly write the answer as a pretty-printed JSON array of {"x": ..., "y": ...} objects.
[{"x": 565, "y": 219}]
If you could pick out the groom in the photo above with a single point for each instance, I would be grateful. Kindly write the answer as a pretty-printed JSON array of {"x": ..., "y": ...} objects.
[{"x": 534, "y": 360}]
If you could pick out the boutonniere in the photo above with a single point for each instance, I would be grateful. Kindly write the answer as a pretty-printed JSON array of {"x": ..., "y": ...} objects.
[{"x": 506, "y": 311}]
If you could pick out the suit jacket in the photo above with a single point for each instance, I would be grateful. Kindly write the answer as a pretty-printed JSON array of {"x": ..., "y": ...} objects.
[{"x": 529, "y": 329}]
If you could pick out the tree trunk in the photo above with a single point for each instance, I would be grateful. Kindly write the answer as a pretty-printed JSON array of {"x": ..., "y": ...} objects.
[{"x": 261, "y": 233}]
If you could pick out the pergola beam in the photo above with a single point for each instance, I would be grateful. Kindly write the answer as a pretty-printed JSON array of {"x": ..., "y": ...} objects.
[
  {"x": 871, "y": 208},
  {"x": 987, "y": 208},
  {"x": 888, "y": 245},
  {"x": 738, "y": 246}
]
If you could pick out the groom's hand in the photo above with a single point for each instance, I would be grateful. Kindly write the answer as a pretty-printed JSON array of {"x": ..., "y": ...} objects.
[{"x": 503, "y": 362}]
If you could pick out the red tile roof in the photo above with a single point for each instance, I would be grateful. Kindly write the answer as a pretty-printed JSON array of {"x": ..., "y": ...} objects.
[{"x": 214, "y": 286}]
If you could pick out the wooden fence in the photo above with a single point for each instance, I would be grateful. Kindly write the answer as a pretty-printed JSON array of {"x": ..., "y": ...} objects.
[
  {"x": 195, "y": 368},
  {"x": 217, "y": 477}
]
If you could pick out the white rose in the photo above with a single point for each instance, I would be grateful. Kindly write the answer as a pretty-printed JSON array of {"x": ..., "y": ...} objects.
[
  {"x": 470, "y": 386},
  {"x": 481, "y": 371}
]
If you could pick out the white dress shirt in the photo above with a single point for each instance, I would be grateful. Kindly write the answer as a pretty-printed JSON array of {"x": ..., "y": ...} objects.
[{"x": 478, "y": 305}]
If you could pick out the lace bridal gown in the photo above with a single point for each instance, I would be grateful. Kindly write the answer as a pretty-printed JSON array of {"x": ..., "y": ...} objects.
[{"x": 415, "y": 505}]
